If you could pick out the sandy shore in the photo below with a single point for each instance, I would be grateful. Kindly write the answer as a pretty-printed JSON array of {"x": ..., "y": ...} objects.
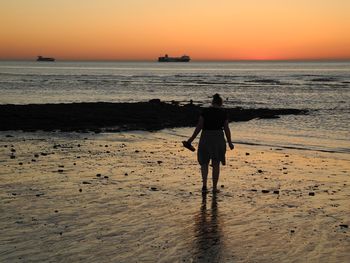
[{"x": 135, "y": 197}]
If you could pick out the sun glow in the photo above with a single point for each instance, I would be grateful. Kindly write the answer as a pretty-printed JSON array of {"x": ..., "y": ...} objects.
[{"x": 205, "y": 30}]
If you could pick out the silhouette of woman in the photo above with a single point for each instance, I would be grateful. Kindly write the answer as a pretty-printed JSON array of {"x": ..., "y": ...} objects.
[{"x": 212, "y": 144}]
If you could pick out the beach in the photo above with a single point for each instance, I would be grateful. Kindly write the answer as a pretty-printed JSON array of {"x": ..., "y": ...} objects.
[{"x": 135, "y": 197}]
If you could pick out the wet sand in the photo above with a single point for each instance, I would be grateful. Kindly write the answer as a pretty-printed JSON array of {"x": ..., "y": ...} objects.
[{"x": 135, "y": 197}]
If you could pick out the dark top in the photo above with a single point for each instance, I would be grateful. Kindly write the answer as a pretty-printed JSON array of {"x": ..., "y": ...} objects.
[{"x": 214, "y": 118}]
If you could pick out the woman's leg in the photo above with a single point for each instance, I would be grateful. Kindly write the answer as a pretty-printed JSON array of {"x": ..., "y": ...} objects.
[
  {"x": 204, "y": 171},
  {"x": 216, "y": 173}
]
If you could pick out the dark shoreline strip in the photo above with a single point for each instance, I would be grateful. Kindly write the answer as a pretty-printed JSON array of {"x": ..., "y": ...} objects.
[{"x": 150, "y": 116}]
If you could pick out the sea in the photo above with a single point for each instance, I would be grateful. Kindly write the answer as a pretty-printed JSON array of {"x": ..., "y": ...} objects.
[{"x": 322, "y": 88}]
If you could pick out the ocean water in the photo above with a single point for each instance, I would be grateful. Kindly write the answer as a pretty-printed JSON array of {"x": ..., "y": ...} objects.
[{"x": 321, "y": 87}]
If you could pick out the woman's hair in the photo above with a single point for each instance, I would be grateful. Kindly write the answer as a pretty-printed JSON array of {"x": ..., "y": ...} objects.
[{"x": 217, "y": 100}]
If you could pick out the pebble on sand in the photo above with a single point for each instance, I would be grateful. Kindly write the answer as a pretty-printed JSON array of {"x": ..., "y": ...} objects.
[
  {"x": 311, "y": 194},
  {"x": 154, "y": 188},
  {"x": 276, "y": 192},
  {"x": 98, "y": 175},
  {"x": 265, "y": 191}
]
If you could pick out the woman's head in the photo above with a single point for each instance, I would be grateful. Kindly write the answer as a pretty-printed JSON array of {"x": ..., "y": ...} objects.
[{"x": 217, "y": 100}]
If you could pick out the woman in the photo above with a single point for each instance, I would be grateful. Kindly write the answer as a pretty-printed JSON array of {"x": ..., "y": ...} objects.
[{"x": 212, "y": 145}]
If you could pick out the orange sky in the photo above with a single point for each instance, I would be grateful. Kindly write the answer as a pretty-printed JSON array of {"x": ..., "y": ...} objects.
[{"x": 203, "y": 29}]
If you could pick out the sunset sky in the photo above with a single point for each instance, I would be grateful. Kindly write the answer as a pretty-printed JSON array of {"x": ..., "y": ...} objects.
[{"x": 203, "y": 29}]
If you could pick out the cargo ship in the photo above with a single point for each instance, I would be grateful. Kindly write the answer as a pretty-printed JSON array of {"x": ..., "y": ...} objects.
[
  {"x": 166, "y": 58},
  {"x": 40, "y": 58}
]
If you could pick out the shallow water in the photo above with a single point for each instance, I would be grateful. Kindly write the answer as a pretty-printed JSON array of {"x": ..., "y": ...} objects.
[{"x": 323, "y": 88}]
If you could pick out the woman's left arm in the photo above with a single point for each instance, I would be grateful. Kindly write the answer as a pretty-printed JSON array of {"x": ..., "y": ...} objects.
[
  {"x": 228, "y": 134},
  {"x": 197, "y": 130}
]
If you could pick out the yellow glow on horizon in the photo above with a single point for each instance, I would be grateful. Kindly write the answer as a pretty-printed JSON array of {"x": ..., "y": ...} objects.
[{"x": 203, "y": 29}]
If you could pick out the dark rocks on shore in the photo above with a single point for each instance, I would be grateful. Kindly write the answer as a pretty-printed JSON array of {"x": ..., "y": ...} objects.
[{"x": 152, "y": 115}]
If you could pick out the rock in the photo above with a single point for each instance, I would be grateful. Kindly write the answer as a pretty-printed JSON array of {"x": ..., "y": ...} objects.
[
  {"x": 78, "y": 145},
  {"x": 265, "y": 191},
  {"x": 20, "y": 163},
  {"x": 126, "y": 174},
  {"x": 43, "y": 154},
  {"x": 36, "y": 155},
  {"x": 260, "y": 171},
  {"x": 159, "y": 162},
  {"x": 98, "y": 175},
  {"x": 106, "y": 177},
  {"x": 12, "y": 156},
  {"x": 344, "y": 226},
  {"x": 13, "y": 150},
  {"x": 154, "y": 188},
  {"x": 292, "y": 231},
  {"x": 137, "y": 151},
  {"x": 14, "y": 194},
  {"x": 222, "y": 186},
  {"x": 61, "y": 166},
  {"x": 60, "y": 170},
  {"x": 276, "y": 192},
  {"x": 253, "y": 190},
  {"x": 80, "y": 190},
  {"x": 33, "y": 160},
  {"x": 8, "y": 136},
  {"x": 247, "y": 153},
  {"x": 85, "y": 182},
  {"x": 56, "y": 211},
  {"x": 156, "y": 101},
  {"x": 311, "y": 193}
]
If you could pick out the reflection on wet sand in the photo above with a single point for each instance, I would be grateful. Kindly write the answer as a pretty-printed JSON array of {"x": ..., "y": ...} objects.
[{"x": 208, "y": 239}]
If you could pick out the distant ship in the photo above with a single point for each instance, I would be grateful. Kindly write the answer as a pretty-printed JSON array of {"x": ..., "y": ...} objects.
[
  {"x": 40, "y": 58},
  {"x": 166, "y": 58}
]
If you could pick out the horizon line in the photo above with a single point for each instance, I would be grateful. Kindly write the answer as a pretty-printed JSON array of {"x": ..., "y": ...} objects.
[{"x": 192, "y": 60}]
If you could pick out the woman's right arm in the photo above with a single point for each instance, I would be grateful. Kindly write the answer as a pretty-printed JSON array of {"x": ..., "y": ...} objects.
[
  {"x": 228, "y": 134},
  {"x": 198, "y": 128}
]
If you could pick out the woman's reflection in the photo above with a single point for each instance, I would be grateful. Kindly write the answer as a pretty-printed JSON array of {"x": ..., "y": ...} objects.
[{"x": 208, "y": 233}]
